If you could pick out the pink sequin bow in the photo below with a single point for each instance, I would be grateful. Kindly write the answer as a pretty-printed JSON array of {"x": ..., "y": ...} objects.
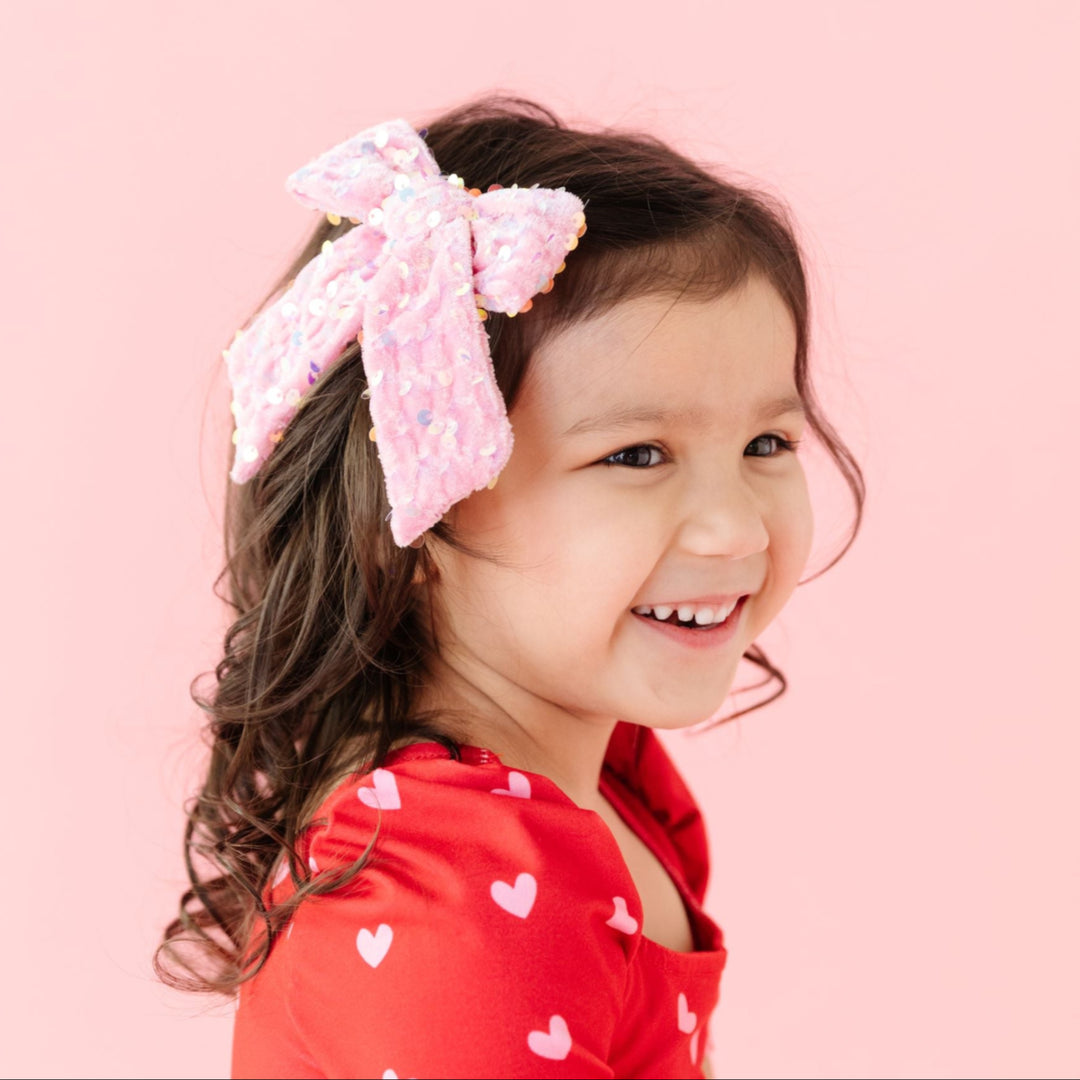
[{"x": 413, "y": 280}]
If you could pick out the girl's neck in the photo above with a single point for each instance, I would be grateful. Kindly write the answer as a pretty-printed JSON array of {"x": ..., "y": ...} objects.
[{"x": 526, "y": 732}]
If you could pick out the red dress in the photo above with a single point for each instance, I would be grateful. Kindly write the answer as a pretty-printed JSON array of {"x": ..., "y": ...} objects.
[{"x": 495, "y": 930}]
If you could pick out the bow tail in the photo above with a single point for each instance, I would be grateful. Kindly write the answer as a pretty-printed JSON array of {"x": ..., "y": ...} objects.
[{"x": 440, "y": 423}]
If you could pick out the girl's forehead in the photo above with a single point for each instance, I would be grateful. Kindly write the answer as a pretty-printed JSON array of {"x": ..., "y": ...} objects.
[{"x": 679, "y": 356}]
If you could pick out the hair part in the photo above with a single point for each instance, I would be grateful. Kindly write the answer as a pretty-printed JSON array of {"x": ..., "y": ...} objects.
[{"x": 327, "y": 651}]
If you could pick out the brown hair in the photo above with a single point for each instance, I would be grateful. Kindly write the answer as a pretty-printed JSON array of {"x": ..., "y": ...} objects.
[{"x": 322, "y": 664}]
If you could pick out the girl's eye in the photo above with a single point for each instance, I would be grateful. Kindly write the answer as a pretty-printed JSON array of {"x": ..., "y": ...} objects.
[
  {"x": 783, "y": 445},
  {"x": 634, "y": 453}
]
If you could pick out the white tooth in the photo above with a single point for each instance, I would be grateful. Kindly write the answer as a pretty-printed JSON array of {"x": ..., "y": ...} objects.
[
  {"x": 643, "y": 609},
  {"x": 662, "y": 611},
  {"x": 704, "y": 616},
  {"x": 725, "y": 611},
  {"x": 686, "y": 613}
]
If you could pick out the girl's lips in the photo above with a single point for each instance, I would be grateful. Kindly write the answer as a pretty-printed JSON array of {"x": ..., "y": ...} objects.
[{"x": 697, "y": 639}]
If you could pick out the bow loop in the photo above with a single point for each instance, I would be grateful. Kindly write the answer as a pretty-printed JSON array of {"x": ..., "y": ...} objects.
[
  {"x": 353, "y": 178},
  {"x": 522, "y": 236}
]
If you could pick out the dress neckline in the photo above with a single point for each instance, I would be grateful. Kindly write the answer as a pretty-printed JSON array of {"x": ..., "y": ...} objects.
[{"x": 619, "y": 761}]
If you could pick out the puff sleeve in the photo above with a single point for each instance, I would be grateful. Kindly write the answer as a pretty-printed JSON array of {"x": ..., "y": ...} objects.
[{"x": 482, "y": 938}]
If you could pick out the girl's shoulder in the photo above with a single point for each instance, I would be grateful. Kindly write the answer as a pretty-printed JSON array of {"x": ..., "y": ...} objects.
[
  {"x": 440, "y": 826},
  {"x": 424, "y": 815}
]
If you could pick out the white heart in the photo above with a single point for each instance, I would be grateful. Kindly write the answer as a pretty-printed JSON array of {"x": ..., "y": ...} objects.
[
  {"x": 518, "y": 786},
  {"x": 693, "y": 1045},
  {"x": 374, "y": 947},
  {"x": 687, "y": 1019},
  {"x": 385, "y": 796},
  {"x": 554, "y": 1043},
  {"x": 519, "y": 899},
  {"x": 389, "y": 1074},
  {"x": 622, "y": 919}
]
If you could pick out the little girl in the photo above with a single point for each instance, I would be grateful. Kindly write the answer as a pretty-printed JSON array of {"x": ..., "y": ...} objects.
[{"x": 515, "y": 484}]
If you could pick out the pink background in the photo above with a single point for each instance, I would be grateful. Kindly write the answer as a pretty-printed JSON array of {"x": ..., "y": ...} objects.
[{"x": 896, "y": 860}]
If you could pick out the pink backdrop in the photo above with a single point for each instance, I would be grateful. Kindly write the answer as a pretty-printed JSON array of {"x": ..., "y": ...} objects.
[{"x": 895, "y": 840}]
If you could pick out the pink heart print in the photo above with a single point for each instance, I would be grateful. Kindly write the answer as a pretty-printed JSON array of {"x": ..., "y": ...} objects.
[
  {"x": 374, "y": 947},
  {"x": 385, "y": 795},
  {"x": 622, "y": 919},
  {"x": 553, "y": 1044},
  {"x": 517, "y": 899},
  {"x": 687, "y": 1019},
  {"x": 517, "y": 785}
]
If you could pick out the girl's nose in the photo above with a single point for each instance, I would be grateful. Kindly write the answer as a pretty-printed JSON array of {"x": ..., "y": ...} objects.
[{"x": 724, "y": 517}]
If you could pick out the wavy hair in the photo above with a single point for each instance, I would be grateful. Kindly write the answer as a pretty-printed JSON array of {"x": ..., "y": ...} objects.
[{"x": 326, "y": 653}]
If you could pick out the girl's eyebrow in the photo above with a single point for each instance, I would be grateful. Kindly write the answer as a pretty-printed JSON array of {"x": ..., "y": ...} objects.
[{"x": 621, "y": 416}]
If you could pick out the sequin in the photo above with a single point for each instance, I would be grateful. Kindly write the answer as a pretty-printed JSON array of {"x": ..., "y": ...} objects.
[
  {"x": 250, "y": 453},
  {"x": 236, "y": 437},
  {"x": 444, "y": 376},
  {"x": 505, "y": 252},
  {"x": 289, "y": 309},
  {"x": 461, "y": 290},
  {"x": 405, "y": 387},
  {"x": 492, "y": 482},
  {"x": 317, "y": 307},
  {"x": 487, "y": 451},
  {"x": 571, "y": 242},
  {"x": 433, "y": 219},
  {"x": 424, "y": 417},
  {"x": 327, "y": 247},
  {"x": 451, "y": 426},
  {"x": 331, "y": 289},
  {"x": 277, "y": 436},
  {"x": 334, "y": 219},
  {"x": 375, "y": 216},
  {"x": 275, "y": 395},
  {"x": 481, "y": 314},
  {"x": 371, "y": 434},
  {"x": 401, "y": 182},
  {"x": 377, "y": 377},
  {"x": 403, "y": 268},
  {"x": 382, "y": 137}
]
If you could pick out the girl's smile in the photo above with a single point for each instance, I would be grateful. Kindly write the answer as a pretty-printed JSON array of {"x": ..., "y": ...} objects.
[{"x": 653, "y": 464}]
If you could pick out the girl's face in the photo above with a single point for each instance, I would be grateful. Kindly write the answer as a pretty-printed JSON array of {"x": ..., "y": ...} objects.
[{"x": 699, "y": 499}]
